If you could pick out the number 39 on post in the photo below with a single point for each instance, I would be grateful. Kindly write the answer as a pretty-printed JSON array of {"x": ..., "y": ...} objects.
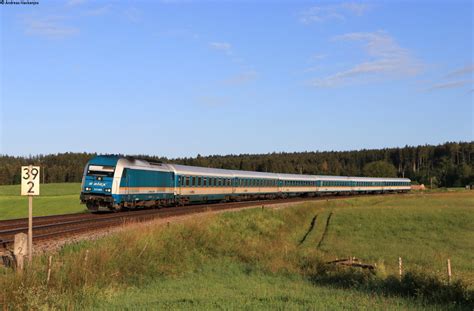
[{"x": 30, "y": 180}]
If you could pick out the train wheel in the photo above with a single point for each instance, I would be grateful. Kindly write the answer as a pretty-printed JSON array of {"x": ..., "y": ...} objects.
[{"x": 92, "y": 207}]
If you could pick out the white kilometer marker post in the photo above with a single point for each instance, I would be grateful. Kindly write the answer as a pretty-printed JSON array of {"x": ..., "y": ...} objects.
[{"x": 30, "y": 186}]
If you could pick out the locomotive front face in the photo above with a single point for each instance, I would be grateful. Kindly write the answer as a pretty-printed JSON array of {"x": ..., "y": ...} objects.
[
  {"x": 98, "y": 179},
  {"x": 97, "y": 184}
]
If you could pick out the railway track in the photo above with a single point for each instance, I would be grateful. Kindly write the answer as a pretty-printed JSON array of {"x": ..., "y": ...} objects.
[{"x": 47, "y": 228}]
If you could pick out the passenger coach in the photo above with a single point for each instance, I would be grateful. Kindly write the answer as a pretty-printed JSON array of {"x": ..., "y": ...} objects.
[{"x": 120, "y": 182}]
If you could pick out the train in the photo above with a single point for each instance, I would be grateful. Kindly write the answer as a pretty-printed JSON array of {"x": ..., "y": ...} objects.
[{"x": 121, "y": 183}]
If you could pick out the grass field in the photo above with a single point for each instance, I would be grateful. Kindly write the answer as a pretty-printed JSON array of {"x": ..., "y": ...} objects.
[
  {"x": 54, "y": 199},
  {"x": 425, "y": 230},
  {"x": 270, "y": 259}
]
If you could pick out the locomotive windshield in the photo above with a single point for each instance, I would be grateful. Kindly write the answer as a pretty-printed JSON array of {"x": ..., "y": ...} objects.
[{"x": 100, "y": 170}]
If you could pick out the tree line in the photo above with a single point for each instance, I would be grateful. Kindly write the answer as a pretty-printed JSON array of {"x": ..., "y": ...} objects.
[{"x": 446, "y": 165}]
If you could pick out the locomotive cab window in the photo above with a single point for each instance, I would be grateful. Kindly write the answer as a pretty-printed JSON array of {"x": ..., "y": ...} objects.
[{"x": 100, "y": 170}]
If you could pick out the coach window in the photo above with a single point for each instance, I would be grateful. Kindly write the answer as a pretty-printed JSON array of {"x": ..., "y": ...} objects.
[{"x": 199, "y": 181}]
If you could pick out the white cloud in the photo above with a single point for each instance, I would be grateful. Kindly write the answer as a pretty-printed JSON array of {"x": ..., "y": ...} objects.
[
  {"x": 322, "y": 13},
  {"x": 454, "y": 79},
  {"x": 50, "y": 27},
  {"x": 450, "y": 84},
  {"x": 221, "y": 46},
  {"x": 318, "y": 57},
  {"x": 133, "y": 14},
  {"x": 468, "y": 69},
  {"x": 386, "y": 58},
  {"x": 312, "y": 69},
  {"x": 241, "y": 78}
]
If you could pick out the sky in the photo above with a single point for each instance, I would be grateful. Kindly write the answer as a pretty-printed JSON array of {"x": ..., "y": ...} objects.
[{"x": 181, "y": 78}]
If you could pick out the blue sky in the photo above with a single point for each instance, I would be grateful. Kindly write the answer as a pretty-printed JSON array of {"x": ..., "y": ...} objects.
[{"x": 178, "y": 78}]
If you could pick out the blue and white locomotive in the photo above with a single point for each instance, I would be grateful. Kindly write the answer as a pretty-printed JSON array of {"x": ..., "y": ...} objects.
[{"x": 118, "y": 183}]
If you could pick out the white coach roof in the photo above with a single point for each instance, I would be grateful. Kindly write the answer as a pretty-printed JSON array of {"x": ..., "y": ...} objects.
[{"x": 217, "y": 172}]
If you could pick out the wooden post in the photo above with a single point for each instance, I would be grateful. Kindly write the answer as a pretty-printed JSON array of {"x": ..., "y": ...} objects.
[
  {"x": 30, "y": 228},
  {"x": 400, "y": 267},
  {"x": 86, "y": 257},
  {"x": 449, "y": 271},
  {"x": 50, "y": 261},
  {"x": 85, "y": 266}
]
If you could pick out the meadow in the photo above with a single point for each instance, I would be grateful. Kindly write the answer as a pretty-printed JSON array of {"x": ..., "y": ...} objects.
[
  {"x": 61, "y": 198},
  {"x": 269, "y": 258}
]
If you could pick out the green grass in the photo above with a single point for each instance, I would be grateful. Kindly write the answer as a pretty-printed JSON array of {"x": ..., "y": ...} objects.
[
  {"x": 425, "y": 230},
  {"x": 54, "y": 199},
  {"x": 253, "y": 259},
  {"x": 227, "y": 285}
]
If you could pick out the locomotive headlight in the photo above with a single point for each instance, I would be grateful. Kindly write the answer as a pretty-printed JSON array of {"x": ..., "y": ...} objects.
[
  {"x": 88, "y": 188},
  {"x": 108, "y": 190}
]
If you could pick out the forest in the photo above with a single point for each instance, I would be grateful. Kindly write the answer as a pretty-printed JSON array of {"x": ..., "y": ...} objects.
[{"x": 446, "y": 165}]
